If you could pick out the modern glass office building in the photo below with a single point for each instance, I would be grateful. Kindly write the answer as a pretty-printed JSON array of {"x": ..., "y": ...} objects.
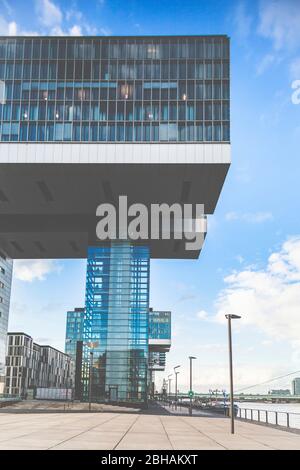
[
  {"x": 159, "y": 343},
  {"x": 157, "y": 361},
  {"x": 84, "y": 120},
  {"x": 130, "y": 89},
  {"x": 115, "y": 327},
  {"x": 78, "y": 339},
  {"x": 159, "y": 325},
  {"x": 74, "y": 331},
  {"x": 74, "y": 346},
  {"x": 6, "y": 267}
]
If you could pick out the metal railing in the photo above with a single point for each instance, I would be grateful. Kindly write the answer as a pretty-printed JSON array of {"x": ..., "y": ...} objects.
[
  {"x": 276, "y": 418},
  {"x": 6, "y": 396}
]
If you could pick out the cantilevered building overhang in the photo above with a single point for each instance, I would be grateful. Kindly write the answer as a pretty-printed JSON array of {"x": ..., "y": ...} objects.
[
  {"x": 89, "y": 120},
  {"x": 50, "y": 192},
  {"x": 159, "y": 331}
]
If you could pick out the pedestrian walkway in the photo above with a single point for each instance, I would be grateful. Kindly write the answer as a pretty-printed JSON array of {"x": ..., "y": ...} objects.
[
  {"x": 129, "y": 431},
  {"x": 184, "y": 410}
]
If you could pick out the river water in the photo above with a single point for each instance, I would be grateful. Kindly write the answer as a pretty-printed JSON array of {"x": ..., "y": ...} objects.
[{"x": 282, "y": 409}]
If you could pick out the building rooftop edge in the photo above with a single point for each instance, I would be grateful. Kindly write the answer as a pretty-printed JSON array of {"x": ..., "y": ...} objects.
[
  {"x": 40, "y": 345},
  {"x": 18, "y": 333},
  {"x": 51, "y": 347},
  {"x": 122, "y": 37}
]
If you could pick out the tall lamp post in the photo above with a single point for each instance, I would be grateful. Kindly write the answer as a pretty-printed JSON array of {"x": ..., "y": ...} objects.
[
  {"x": 191, "y": 358},
  {"x": 91, "y": 379},
  {"x": 92, "y": 345},
  {"x": 170, "y": 380},
  {"x": 164, "y": 388},
  {"x": 229, "y": 318},
  {"x": 176, "y": 373}
]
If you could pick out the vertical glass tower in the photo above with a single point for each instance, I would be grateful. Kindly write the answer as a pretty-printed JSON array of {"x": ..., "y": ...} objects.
[
  {"x": 6, "y": 268},
  {"x": 74, "y": 331},
  {"x": 115, "y": 326}
]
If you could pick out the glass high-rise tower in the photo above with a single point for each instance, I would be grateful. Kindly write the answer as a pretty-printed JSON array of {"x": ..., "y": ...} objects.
[
  {"x": 6, "y": 267},
  {"x": 115, "y": 326}
]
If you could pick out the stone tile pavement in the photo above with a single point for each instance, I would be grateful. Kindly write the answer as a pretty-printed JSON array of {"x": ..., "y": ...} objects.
[{"x": 130, "y": 431}]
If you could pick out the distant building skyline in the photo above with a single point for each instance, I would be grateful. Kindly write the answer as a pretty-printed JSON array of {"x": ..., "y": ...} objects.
[
  {"x": 30, "y": 366},
  {"x": 296, "y": 386}
]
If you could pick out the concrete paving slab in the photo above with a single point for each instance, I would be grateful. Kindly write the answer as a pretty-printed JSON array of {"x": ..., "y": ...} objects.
[
  {"x": 91, "y": 441},
  {"x": 122, "y": 431},
  {"x": 145, "y": 441}
]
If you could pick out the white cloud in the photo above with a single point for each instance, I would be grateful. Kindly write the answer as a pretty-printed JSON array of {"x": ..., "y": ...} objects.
[
  {"x": 105, "y": 31},
  {"x": 250, "y": 217},
  {"x": 202, "y": 315},
  {"x": 6, "y": 27},
  {"x": 74, "y": 14},
  {"x": 269, "y": 298},
  {"x": 54, "y": 22},
  {"x": 7, "y": 7},
  {"x": 31, "y": 270},
  {"x": 266, "y": 62},
  {"x": 75, "y": 30},
  {"x": 50, "y": 15},
  {"x": 279, "y": 21},
  {"x": 232, "y": 215},
  {"x": 295, "y": 68},
  {"x": 242, "y": 20},
  {"x": 10, "y": 28},
  {"x": 267, "y": 342}
]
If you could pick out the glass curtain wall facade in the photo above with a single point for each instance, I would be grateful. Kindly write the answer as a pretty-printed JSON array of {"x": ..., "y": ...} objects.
[
  {"x": 157, "y": 360},
  {"x": 129, "y": 89},
  {"x": 6, "y": 268},
  {"x": 74, "y": 331},
  {"x": 115, "y": 327},
  {"x": 159, "y": 325}
]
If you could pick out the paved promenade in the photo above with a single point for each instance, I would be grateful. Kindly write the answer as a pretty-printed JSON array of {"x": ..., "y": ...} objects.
[{"x": 127, "y": 431}]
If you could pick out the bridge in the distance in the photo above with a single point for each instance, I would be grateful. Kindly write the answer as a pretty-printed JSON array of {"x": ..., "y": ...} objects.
[{"x": 241, "y": 397}]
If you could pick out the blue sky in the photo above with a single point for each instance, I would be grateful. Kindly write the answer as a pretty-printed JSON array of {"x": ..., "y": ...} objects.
[{"x": 250, "y": 263}]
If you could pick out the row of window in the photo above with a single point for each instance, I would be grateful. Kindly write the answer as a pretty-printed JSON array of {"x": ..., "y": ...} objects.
[
  {"x": 72, "y": 70},
  {"x": 116, "y": 111},
  {"x": 130, "y": 48},
  {"x": 13, "y": 360},
  {"x": 14, "y": 388},
  {"x": 80, "y": 91},
  {"x": 112, "y": 132},
  {"x": 17, "y": 351}
]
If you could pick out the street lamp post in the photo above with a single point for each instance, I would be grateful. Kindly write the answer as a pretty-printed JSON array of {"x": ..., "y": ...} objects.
[
  {"x": 91, "y": 379},
  {"x": 92, "y": 345},
  {"x": 170, "y": 380},
  {"x": 229, "y": 318},
  {"x": 176, "y": 373},
  {"x": 20, "y": 384},
  {"x": 191, "y": 384}
]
